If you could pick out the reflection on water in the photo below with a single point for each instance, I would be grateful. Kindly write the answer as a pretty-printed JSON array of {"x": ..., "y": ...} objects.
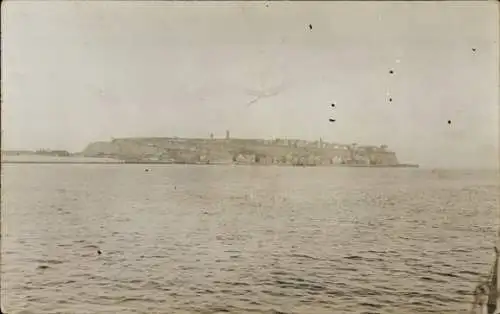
[{"x": 207, "y": 239}]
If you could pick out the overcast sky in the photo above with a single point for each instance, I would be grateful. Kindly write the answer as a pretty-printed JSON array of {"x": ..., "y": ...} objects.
[{"x": 75, "y": 72}]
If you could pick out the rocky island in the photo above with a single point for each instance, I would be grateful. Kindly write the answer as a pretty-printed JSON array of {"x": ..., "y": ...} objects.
[{"x": 291, "y": 152}]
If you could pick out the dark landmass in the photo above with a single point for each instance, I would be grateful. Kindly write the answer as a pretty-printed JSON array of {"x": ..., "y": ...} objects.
[
  {"x": 211, "y": 151},
  {"x": 291, "y": 152}
]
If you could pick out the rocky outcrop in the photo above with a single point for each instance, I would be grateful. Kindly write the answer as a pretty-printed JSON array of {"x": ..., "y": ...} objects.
[
  {"x": 244, "y": 151},
  {"x": 100, "y": 149}
]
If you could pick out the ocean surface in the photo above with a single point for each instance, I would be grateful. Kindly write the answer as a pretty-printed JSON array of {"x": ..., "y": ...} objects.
[{"x": 225, "y": 239}]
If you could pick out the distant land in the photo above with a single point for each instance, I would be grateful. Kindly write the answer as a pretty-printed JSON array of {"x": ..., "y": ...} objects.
[{"x": 174, "y": 150}]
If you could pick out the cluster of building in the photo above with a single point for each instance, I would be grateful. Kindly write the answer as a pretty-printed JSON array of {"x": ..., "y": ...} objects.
[{"x": 56, "y": 153}]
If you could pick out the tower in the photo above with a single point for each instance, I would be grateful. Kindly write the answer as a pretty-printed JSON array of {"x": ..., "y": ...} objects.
[{"x": 227, "y": 134}]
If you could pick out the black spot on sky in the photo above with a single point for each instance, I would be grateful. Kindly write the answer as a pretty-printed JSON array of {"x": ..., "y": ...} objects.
[
  {"x": 333, "y": 105},
  {"x": 449, "y": 121},
  {"x": 391, "y": 71},
  {"x": 390, "y": 99},
  {"x": 473, "y": 49},
  {"x": 310, "y": 26},
  {"x": 331, "y": 120},
  {"x": 99, "y": 252}
]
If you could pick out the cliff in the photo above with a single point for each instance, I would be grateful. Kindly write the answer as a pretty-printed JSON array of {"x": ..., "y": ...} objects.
[{"x": 278, "y": 151}]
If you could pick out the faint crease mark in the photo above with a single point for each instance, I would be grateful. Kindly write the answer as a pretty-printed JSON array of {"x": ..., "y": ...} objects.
[
  {"x": 266, "y": 93},
  {"x": 265, "y": 90}
]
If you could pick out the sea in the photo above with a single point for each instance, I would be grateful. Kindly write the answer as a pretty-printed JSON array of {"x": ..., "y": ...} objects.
[{"x": 244, "y": 239}]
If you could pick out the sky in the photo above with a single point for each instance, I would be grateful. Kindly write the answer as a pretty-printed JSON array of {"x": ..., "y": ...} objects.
[{"x": 76, "y": 72}]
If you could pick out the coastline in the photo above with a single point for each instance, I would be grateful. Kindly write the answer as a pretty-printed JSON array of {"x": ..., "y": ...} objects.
[
  {"x": 212, "y": 151},
  {"x": 122, "y": 162}
]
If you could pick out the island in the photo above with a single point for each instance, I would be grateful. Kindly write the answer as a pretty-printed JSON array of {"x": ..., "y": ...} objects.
[{"x": 220, "y": 151}]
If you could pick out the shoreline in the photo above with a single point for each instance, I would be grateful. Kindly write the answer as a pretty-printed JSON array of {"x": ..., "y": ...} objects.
[{"x": 120, "y": 162}]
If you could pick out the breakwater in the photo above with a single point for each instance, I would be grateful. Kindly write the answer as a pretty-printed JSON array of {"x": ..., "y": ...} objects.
[{"x": 289, "y": 152}]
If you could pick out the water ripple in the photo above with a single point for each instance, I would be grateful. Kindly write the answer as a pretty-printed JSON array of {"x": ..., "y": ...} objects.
[{"x": 244, "y": 240}]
